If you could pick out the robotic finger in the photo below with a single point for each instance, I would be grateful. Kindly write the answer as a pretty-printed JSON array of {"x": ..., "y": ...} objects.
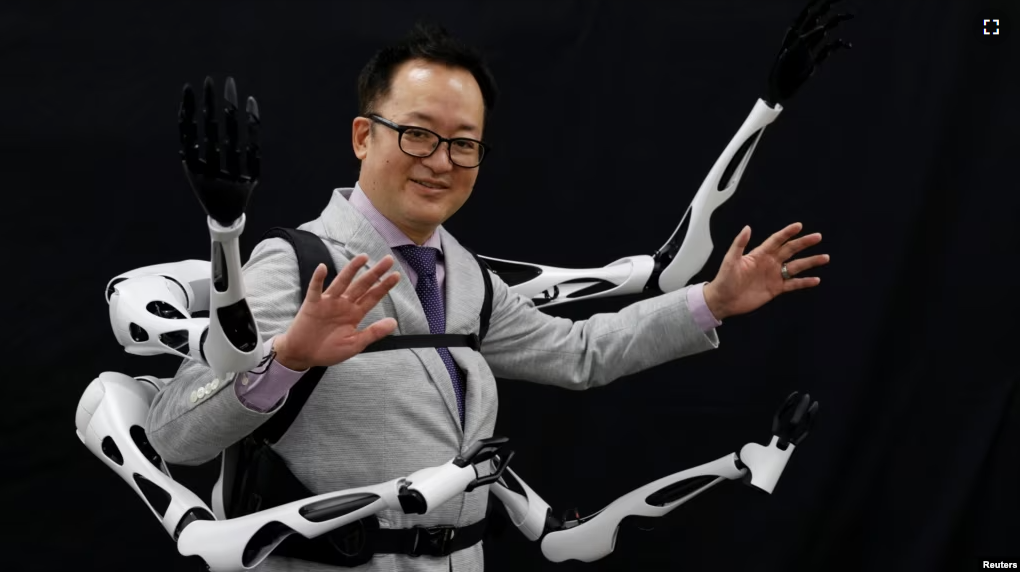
[
  {"x": 809, "y": 15},
  {"x": 798, "y": 57},
  {"x": 794, "y": 419},
  {"x": 830, "y": 48},
  {"x": 812, "y": 38},
  {"x": 253, "y": 159},
  {"x": 232, "y": 150},
  {"x": 188, "y": 130},
  {"x": 212, "y": 130},
  {"x": 223, "y": 193}
]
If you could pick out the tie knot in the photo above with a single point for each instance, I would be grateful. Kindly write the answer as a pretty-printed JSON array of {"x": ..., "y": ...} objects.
[{"x": 421, "y": 258}]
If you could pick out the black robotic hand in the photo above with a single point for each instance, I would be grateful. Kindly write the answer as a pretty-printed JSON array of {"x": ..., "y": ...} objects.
[
  {"x": 493, "y": 448},
  {"x": 802, "y": 51},
  {"x": 218, "y": 182},
  {"x": 793, "y": 420}
]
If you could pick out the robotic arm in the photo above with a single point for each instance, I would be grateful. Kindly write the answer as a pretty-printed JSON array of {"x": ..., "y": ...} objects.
[
  {"x": 673, "y": 265},
  {"x": 676, "y": 262},
  {"x": 112, "y": 413},
  {"x": 197, "y": 310},
  {"x": 152, "y": 308},
  {"x": 155, "y": 310},
  {"x": 110, "y": 421},
  {"x": 593, "y": 537},
  {"x": 234, "y": 344}
]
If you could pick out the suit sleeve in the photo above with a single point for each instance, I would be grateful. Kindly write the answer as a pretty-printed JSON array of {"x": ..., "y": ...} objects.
[
  {"x": 525, "y": 343},
  {"x": 264, "y": 390},
  {"x": 189, "y": 429}
]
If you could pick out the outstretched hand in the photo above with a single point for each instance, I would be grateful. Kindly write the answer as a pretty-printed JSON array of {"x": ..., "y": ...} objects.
[
  {"x": 325, "y": 331},
  {"x": 745, "y": 282}
]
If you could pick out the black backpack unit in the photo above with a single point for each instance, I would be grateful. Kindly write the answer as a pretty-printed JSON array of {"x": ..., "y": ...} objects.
[{"x": 256, "y": 478}]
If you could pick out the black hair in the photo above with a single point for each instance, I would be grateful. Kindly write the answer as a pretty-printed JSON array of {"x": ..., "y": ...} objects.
[{"x": 429, "y": 42}]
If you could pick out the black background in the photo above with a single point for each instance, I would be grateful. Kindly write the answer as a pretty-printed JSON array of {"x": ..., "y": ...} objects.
[{"x": 901, "y": 152}]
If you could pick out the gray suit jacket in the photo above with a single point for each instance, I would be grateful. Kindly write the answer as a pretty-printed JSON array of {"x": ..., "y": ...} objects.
[{"x": 383, "y": 415}]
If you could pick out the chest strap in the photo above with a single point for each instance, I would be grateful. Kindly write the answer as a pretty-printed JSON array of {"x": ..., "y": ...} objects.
[{"x": 424, "y": 341}]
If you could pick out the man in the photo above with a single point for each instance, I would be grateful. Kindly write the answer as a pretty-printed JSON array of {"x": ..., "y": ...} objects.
[{"x": 380, "y": 415}]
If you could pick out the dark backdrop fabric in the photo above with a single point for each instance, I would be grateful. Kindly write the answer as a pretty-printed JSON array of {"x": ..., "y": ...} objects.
[{"x": 900, "y": 152}]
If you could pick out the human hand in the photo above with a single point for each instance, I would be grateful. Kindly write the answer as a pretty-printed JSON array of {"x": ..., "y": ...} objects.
[
  {"x": 745, "y": 282},
  {"x": 325, "y": 330}
]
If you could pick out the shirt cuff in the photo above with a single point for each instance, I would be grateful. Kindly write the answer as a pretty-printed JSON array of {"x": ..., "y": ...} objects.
[
  {"x": 699, "y": 309},
  {"x": 263, "y": 391}
]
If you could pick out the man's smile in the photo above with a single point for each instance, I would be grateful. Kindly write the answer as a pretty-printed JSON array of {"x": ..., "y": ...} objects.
[{"x": 428, "y": 184}]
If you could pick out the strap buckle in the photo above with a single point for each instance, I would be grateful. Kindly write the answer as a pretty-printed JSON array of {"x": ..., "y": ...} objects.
[{"x": 433, "y": 541}]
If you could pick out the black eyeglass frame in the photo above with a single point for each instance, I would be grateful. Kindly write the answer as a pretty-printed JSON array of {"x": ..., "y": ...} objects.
[{"x": 400, "y": 129}]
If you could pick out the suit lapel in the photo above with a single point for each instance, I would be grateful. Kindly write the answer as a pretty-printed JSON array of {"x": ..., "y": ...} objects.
[
  {"x": 345, "y": 225},
  {"x": 463, "y": 284},
  {"x": 464, "y": 295},
  {"x": 473, "y": 396}
]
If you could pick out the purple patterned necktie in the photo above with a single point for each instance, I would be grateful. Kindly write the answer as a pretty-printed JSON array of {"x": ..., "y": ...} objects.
[{"x": 423, "y": 260}]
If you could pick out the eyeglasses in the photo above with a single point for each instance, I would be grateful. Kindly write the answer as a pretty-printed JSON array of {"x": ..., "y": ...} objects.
[{"x": 420, "y": 142}]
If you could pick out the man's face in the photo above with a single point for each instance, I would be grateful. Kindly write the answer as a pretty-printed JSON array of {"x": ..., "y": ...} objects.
[{"x": 442, "y": 99}]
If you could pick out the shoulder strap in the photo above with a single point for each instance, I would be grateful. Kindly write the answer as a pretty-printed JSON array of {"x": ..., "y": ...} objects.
[
  {"x": 486, "y": 315},
  {"x": 310, "y": 253}
]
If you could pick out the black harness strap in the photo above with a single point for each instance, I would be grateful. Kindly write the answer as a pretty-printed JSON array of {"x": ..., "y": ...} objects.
[
  {"x": 311, "y": 252},
  {"x": 486, "y": 315},
  {"x": 424, "y": 341},
  {"x": 263, "y": 480}
]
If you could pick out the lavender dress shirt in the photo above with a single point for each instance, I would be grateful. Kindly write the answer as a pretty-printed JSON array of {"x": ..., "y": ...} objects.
[{"x": 262, "y": 391}]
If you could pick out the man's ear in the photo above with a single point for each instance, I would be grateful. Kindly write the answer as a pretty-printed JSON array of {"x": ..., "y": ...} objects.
[{"x": 361, "y": 132}]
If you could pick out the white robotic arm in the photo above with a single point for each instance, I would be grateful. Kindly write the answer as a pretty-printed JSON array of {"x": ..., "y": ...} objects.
[
  {"x": 111, "y": 416},
  {"x": 593, "y": 537},
  {"x": 110, "y": 421},
  {"x": 152, "y": 309},
  {"x": 673, "y": 265},
  {"x": 158, "y": 309},
  {"x": 155, "y": 310},
  {"x": 243, "y": 542}
]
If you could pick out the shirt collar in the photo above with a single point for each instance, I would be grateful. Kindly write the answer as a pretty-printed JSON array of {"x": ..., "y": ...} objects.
[{"x": 393, "y": 236}]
